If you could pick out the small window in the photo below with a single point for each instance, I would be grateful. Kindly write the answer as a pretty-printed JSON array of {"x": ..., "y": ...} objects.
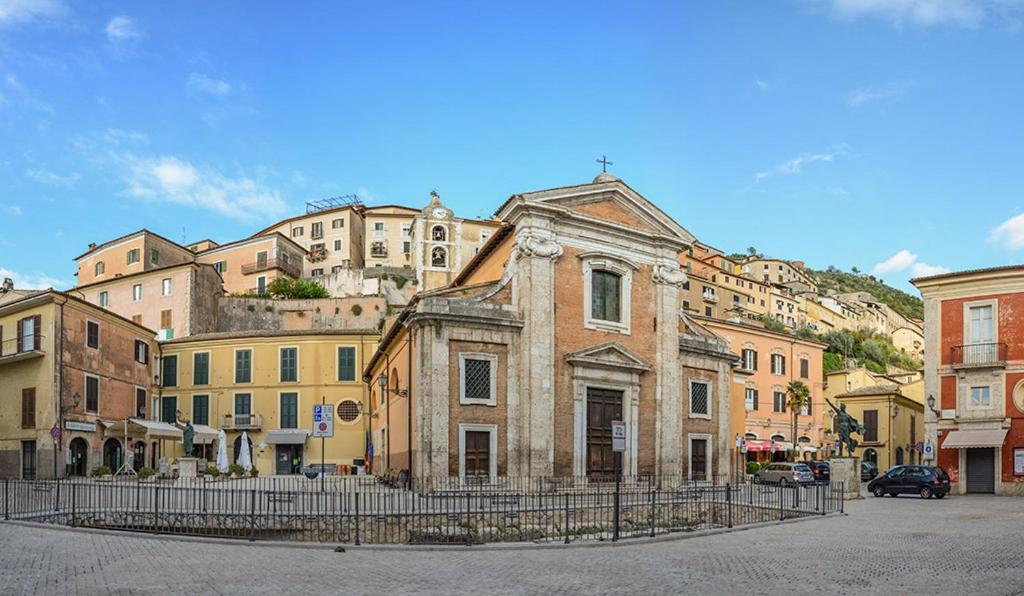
[
  {"x": 478, "y": 376},
  {"x": 749, "y": 359},
  {"x": 92, "y": 334},
  {"x": 778, "y": 364},
  {"x": 243, "y": 366},
  {"x": 133, "y": 256},
  {"x": 406, "y": 247},
  {"x": 707, "y": 311},
  {"x": 338, "y": 223},
  {"x": 92, "y": 394},
  {"x": 606, "y": 296},
  {"x": 337, "y": 245},
  {"x": 336, "y": 269},
  {"x": 221, "y": 266},
  {"x": 165, "y": 319},
  {"x": 104, "y": 299},
  {"x": 101, "y": 267},
  {"x": 805, "y": 368},
  {"x": 289, "y": 410},
  {"x": 296, "y": 231},
  {"x": 140, "y": 402},
  {"x": 438, "y": 257},
  {"x": 141, "y": 352},
  {"x": 438, "y": 234},
  {"x": 169, "y": 409},
  {"x": 981, "y": 397},
  {"x": 201, "y": 368},
  {"x": 316, "y": 230},
  {"x": 750, "y": 399},
  {"x": 379, "y": 249},
  {"x": 378, "y": 226},
  {"x": 137, "y": 293},
  {"x": 165, "y": 287},
  {"x": 318, "y": 272},
  {"x": 28, "y": 408},
  {"x": 700, "y": 395},
  {"x": 289, "y": 365},
  {"x": 154, "y": 256},
  {"x": 169, "y": 371},
  {"x": 348, "y": 411},
  {"x": 346, "y": 363}
]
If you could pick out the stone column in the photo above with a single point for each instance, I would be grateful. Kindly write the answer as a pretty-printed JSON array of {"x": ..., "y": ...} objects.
[
  {"x": 535, "y": 254},
  {"x": 432, "y": 401},
  {"x": 668, "y": 278},
  {"x": 932, "y": 361}
]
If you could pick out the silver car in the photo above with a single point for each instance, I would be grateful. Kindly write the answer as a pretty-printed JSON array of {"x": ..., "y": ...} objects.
[{"x": 785, "y": 473}]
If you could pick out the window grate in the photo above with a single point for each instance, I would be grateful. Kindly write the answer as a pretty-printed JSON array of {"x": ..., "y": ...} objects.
[
  {"x": 477, "y": 379},
  {"x": 699, "y": 398}
]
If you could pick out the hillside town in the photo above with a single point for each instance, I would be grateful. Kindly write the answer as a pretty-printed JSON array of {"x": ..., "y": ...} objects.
[{"x": 451, "y": 347}]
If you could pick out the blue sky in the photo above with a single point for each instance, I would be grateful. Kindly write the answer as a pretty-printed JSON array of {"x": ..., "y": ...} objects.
[{"x": 882, "y": 134}]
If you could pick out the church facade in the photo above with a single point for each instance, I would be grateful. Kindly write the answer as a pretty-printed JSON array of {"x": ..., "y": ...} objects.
[{"x": 567, "y": 318}]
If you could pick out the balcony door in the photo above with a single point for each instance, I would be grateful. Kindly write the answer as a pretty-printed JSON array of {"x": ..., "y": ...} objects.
[
  {"x": 243, "y": 410},
  {"x": 982, "y": 330}
]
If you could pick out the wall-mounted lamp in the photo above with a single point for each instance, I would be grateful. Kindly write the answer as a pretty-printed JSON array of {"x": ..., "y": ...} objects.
[
  {"x": 931, "y": 405},
  {"x": 382, "y": 380}
]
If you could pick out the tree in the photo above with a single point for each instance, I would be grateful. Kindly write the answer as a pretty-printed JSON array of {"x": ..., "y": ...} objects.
[
  {"x": 752, "y": 251},
  {"x": 285, "y": 288},
  {"x": 855, "y": 269},
  {"x": 797, "y": 395}
]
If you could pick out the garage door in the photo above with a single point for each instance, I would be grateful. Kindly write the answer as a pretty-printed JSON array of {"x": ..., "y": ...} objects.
[{"x": 981, "y": 470}]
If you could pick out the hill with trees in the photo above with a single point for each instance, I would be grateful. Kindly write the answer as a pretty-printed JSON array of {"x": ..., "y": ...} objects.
[{"x": 855, "y": 281}]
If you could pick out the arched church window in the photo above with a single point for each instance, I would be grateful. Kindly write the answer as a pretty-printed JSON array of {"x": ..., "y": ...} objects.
[
  {"x": 438, "y": 257},
  {"x": 439, "y": 234}
]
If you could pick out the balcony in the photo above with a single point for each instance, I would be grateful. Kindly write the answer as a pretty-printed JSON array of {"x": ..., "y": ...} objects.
[
  {"x": 31, "y": 347},
  {"x": 242, "y": 422},
  {"x": 284, "y": 266},
  {"x": 987, "y": 355},
  {"x": 709, "y": 297}
]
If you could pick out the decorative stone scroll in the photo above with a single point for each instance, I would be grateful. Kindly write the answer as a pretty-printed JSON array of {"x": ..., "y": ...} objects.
[
  {"x": 529, "y": 244},
  {"x": 668, "y": 275}
]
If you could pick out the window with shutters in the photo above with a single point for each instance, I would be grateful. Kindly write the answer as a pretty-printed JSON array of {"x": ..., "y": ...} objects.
[
  {"x": 750, "y": 399},
  {"x": 92, "y": 334},
  {"x": 289, "y": 367},
  {"x": 29, "y": 334},
  {"x": 101, "y": 267},
  {"x": 805, "y": 368},
  {"x": 316, "y": 230},
  {"x": 338, "y": 223},
  {"x": 778, "y": 401},
  {"x": 318, "y": 272},
  {"x": 92, "y": 393},
  {"x": 870, "y": 426},
  {"x": 133, "y": 256},
  {"x": 169, "y": 409},
  {"x": 296, "y": 231},
  {"x": 141, "y": 352},
  {"x": 137, "y": 293},
  {"x": 243, "y": 366},
  {"x": 749, "y": 359},
  {"x": 346, "y": 363},
  {"x": 165, "y": 319},
  {"x": 201, "y": 409},
  {"x": 289, "y": 410},
  {"x": 201, "y": 368},
  {"x": 778, "y": 364},
  {"x": 700, "y": 398},
  {"x": 478, "y": 379},
  {"x": 140, "y": 402},
  {"x": 169, "y": 371},
  {"x": 337, "y": 245},
  {"x": 221, "y": 266},
  {"x": 28, "y": 408},
  {"x": 104, "y": 299}
]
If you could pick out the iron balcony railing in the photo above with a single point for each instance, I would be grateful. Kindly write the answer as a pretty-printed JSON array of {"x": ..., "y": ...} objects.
[
  {"x": 284, "y": 266},
  {"x": 981, "y": 354},
  {"x": 29, "y": 346},
  {"x": 241, "y": 421}
]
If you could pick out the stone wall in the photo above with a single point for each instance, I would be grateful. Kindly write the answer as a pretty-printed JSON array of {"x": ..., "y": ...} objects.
[
  {"x": 248, "y": 314},
  {"x": 396, "y": 285}
]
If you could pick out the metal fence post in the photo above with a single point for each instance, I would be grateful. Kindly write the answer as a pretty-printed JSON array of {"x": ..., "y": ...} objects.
[
  {"x": 7, "y": 504},
  {"x": 652, "y": 510},
  {"x": 252, "y": 515},
  {"x": 842, "y": 497},
  {"x": 74, "y": 504},
  {"x": 156, "y": 508},
  {"x": 567, "y": 518},
  {"x": 56, "y": 495},
  {"x": 782, "y": 514},
  {"x": 357, "y": 518},
  {"x": 728, "y": 504}
]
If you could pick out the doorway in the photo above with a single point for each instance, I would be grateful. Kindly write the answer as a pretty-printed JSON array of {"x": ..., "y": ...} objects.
[
  {"x": 289, "y": 459},
  {"x": 603, "y": 406},
  {"x": 699, "y": 459},
  {"x": 78, "y": 449},
  {"x": 478, "y": 453},
  {"x": 981, "y": 470},
  {"x": 112, "y": 454},
  {"x": 28, "y": 460}
]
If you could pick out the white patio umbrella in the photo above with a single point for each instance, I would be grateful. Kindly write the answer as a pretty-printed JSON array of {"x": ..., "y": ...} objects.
[
  {"x": 244, "y": 455},
  {"x": 222, "y": 452}
]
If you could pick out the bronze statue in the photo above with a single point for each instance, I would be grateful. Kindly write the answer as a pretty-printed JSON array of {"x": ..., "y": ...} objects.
[
  {"x": 188, "y": 438},
  {"x": 847, "y": 425}
]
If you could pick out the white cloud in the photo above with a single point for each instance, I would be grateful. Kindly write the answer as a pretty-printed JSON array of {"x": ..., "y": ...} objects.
[
  {"x": 922, "y": 13},
  {"x": 23, "y": 11},
  {"x": 44, "y": 176},
  {"x": 37, "y": 281},
  {"x": 762, "y": 85},
  {"x": 898, "y": 262},
  {"x": 904, "y": 260},
  {"x": 796, "y": 165},
  {"x": 173, "y": 180},
  {"x": 122, "y": 28},
  {"x": 204, "y": 84},
  {"x": 1010, "y": 233},
  {"x": 866, "y": 95},
  {"x": 12, "y": 210}
]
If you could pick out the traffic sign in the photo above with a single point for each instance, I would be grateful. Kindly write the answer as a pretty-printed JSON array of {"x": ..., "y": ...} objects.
[
  {"x": 323, "y": 420},
  {"x": 618, "y": 435},
  {"x": 55, "y": 432},
  {"x": 929, "y": 450}
]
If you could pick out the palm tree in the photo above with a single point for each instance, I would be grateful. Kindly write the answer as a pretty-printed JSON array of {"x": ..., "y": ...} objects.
[{"x": 798, "y": 395}]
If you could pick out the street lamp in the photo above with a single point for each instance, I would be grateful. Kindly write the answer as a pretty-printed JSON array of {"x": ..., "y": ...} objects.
[
  {"x": 382, "y": 380},
  {"x": 931, "y": 405}
]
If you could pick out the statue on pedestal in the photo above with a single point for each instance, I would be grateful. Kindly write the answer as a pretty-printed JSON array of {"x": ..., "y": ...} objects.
[
  {"x": 188, "y": 437},
  {"x": 847, "y": 425}
]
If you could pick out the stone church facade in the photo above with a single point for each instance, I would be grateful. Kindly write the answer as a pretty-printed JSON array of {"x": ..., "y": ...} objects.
[{"x": 568, "y": 318}]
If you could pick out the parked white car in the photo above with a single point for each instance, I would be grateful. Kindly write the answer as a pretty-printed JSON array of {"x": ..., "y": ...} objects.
[{"x": 785, "y": 473}]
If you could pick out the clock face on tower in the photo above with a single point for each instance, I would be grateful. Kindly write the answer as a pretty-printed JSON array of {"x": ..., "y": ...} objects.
[{"x": 439, "y": 212}]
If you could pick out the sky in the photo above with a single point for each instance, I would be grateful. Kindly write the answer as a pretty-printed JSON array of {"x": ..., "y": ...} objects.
[{"x": 879, "y": 134}]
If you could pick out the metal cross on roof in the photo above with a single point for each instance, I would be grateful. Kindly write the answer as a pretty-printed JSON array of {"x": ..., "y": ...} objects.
[{"x": 604, "y": 163}]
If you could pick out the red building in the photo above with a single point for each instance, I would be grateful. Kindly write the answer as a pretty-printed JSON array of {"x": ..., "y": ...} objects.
[{"x": 974, "y": 377}]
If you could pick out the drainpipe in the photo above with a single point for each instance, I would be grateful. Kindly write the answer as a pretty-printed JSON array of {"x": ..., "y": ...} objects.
[
  {"x": 408, "y": 400},
  {"x": 59, "y": 447},
  {"x": 387, "y": 408}
]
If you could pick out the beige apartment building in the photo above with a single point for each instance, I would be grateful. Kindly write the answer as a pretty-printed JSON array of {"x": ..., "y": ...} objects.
[
  {"x": 777, "y": 271},
  {"x": 783, "y": 307},
  {"x": 250, "y": 264},
  {"x": 388, "y": 239},
  {"x": 131, "y": 254},
  {"x": 330, "y": 232}
]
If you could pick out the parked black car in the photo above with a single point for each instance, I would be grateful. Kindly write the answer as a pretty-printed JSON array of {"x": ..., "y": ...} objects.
[
  {"x": 926, "y": 481},
  {"x": 868, "y": 470},
  {"x": 820, "y": 469}
]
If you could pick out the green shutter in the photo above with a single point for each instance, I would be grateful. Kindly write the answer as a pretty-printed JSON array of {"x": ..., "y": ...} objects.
[
  {"x": 169, "y": 409},
  {"x": 289, "y": 410},
  {"x": 243, "y": 366},
  {"x": 346, "y": 364},
  {"x": 289, "y": 364},
  {"x": 201, "y": 409},
  {"x": 201, "y": 369},
  {"x": 169, "y": 374}
]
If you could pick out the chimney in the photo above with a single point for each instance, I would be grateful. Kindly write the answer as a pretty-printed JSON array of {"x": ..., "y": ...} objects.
[
  {"x": 7, "y": 286},
  {"x": 92, "y": 245}
]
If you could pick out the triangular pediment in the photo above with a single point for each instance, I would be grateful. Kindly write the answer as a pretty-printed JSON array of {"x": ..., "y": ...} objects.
[{"x": 608, "y": 355}]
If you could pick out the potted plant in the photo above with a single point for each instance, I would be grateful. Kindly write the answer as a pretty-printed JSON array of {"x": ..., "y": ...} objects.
[
  {"x": 236, "y": 471},
  {"x": 102, "y": 473},
  {"x": 147, "y": 474},
  {"x": 211, "y": 472}
]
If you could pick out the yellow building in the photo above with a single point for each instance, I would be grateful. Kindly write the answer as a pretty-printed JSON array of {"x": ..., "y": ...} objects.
[
  {"x": 388, "y": 239},
  {"x": 891, "y": 412},
  {"x": 265, "y": 383}
]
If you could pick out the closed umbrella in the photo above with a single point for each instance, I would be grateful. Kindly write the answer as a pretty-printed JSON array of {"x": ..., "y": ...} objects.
[
  {"x": 244, "y": 455},
  {"x": 222, "y": 452}
]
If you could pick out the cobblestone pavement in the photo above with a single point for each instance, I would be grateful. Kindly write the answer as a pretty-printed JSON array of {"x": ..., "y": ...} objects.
[{"x": 893, "y": 546}]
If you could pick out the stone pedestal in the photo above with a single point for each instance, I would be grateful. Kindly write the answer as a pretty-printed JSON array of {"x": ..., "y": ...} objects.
[
  {"x": 188, "y": 467},
  {"x": 847, "y": 471}
]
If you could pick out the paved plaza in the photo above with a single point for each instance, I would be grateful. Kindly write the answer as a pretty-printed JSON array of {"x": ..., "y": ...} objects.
[{"x": 892, "y": 546}]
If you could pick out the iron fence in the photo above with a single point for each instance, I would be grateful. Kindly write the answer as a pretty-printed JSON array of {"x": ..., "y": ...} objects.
[{"x": 348, "y": 511}]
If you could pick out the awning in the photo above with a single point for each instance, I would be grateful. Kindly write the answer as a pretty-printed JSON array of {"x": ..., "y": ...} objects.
[
  {"x": 755, "y": 445},
  {"x": 205, "y": 435},
  {"x": 962, "y": 439},
  {"x": 139, "y": 427},
  {"x": 808, "y": 448},
  {"x": 286, "y": 436}
]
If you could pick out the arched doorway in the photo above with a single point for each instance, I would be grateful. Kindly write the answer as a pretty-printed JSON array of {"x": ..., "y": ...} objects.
[
  {"x": 112, "y": 456},
  {"x": 79, "y": 452},
  {"x": 871, "y": 455},
  {"x": 139, "y": 457},
  {"x": 238, "y": 449}
]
